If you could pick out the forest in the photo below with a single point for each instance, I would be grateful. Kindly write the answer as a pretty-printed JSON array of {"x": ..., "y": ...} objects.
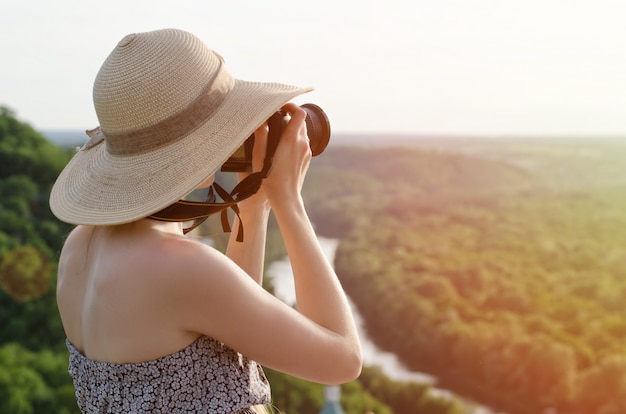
[{"x": 493, "y": 264}]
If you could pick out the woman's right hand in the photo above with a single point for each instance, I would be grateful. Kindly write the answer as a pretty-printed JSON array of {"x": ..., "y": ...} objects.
[{"x": 291, "y": 160}]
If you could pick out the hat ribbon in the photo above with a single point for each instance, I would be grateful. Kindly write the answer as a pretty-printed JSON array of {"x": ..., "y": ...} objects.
[{"x": 171, "y": 129}]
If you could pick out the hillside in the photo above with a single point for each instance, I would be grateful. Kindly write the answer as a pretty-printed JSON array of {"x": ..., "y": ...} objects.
[{"x": 495, "y": 266}]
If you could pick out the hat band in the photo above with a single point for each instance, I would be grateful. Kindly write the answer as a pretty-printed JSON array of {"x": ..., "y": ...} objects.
[{"x": 177, "y": 126}]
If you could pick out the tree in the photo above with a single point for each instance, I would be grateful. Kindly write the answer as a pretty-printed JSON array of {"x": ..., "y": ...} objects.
[
  {"x": 24, "y": 151},
  {"x": 25, "y": 273},
  {"x": 602, "y": 388},
  {"x": 32, "y": 383},
  {"x": 30, "y": 236}
]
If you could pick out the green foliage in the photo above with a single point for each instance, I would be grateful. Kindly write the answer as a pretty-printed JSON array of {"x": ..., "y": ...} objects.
[
  {"x": 355, "y": 399},
  {"x": 498, "y": 270},
  {"x": 293, "y": 395},
  {"x": 35, "y": 324},
  {"x": 30, "y": 236},
  {"x": 34, "y": 382},
  {"x": 23, "y": 151},
  {"x": 33, "y": 374},
  {"x": 29, "y": 164},
  {"x": 410, "y": 397},
  {"x": 25, "y": 273},
  {"x": 438, "y": 405},
  {"x": 603, "y": 387}
]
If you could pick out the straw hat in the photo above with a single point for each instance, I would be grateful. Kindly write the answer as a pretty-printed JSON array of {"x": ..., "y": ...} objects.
[{"x": 170, "y": 115}]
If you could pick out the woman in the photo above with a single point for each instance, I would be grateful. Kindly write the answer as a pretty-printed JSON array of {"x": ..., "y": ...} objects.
[{"x": 155, "y": 321}]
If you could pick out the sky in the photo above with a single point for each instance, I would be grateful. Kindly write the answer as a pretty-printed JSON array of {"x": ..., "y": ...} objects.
[{"x": 455, "y": 67}]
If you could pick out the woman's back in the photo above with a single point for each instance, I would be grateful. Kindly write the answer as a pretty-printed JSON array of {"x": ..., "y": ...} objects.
[
  {"x": 116, "y": 309},
  {"x": 128, "y": 352}
]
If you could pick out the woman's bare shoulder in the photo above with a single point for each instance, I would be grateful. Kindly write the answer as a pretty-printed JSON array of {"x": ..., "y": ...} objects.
[
  {"x": 178, "y": 265},
  {"x": 75, "y": 247},
  {"x": 78, "y": 236},
  {"x": 181, "y": 251}
]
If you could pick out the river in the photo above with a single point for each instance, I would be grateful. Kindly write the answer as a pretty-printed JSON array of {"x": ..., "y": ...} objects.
[{"x": 282, "y": 278}]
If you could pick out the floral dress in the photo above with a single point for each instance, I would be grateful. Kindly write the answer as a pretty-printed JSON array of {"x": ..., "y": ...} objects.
[{"x": 205, "y": 377}]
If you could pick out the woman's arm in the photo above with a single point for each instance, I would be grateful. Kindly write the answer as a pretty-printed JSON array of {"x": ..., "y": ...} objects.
[
  {"x": 250, "y": 253},
  {"x": 319, "y": 294},
  {"x": 319, "y": 340}
]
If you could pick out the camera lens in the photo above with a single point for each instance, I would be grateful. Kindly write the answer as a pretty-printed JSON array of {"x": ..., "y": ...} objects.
[{"x": 317, "y": 127}]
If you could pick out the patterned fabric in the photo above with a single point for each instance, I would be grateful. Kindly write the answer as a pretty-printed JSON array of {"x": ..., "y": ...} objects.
[{"x": 205, "y": 377}]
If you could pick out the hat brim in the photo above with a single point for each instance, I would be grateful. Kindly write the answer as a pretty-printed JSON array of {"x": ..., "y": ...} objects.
[{"x": 98, "y": 188}]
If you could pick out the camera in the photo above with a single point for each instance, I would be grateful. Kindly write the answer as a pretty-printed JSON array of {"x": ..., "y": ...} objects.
[{"x": 317, "y": 127}]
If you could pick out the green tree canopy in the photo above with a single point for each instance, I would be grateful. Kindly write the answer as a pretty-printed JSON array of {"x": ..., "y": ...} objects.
[{"x": 25, "y": 273}]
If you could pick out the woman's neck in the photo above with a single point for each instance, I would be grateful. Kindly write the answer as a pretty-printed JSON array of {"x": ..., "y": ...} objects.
[{"x": 146, "y": 225}]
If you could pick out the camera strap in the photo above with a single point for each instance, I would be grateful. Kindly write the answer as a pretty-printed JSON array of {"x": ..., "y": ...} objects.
[{"x": 199, "y": 211}]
